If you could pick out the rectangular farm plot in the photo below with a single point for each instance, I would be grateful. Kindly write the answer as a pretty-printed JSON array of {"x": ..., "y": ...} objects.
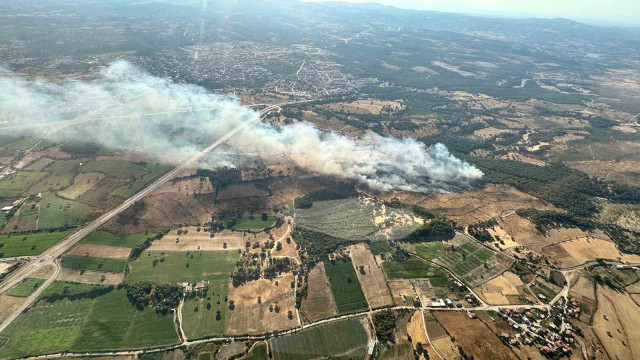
[
  {"x": 29, "y": 244},
  {"x": 319, "y": 303},
  {"x": 340, "y": 339},
  {"x": 93, "y": 263},
  {"x": 121, "y": 169},
  {"x": 415, "y": 269},
  {"x": 371, "y": 276},
  {"x": 206, "y": 315},
  {"x": 56, "y": 212},
  {"x": 90, "y": 277},
  {"x": 81, "y": 184},
  {"x": 110, "y": 239},
  {"x": 19, "y": 183},
  {"x": 172, "y": 267},
  {"x": 190, "y": 239},
  {"x": 345, "y": 286},
  {"x": 26, "y": 287},
  {"x": 101, "y": 251},
  {"x": 256, "y": 223},
  {"x": 262, "y": 306}
]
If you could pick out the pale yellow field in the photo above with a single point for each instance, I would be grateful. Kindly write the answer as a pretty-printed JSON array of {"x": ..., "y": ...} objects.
[
  {"x": 496, "y": 290},
  {"x": 251, "y": 317},
  {"x": 588, "y": 249},
  {"x": 101, "y": 251},
  {"x": 202, "y": 240},
  {"x": 373, "y": 280},
  {"x": 90, "y": 277},
  {"x": 584, "y": 287},
  {"x": 616, "y": 324}
]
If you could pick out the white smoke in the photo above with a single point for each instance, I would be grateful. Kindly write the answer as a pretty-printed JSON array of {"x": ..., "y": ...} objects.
[{"x": 127, "y": 109}]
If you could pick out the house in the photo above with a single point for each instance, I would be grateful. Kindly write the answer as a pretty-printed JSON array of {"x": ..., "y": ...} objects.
[
  {"x": 439, "y": 303},
  {"x": 7, "y": 208},
  {"x": 472, "y": 315}
]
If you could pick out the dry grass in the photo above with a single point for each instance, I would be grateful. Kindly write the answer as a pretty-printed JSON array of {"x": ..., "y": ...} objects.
[
  {"x": 446, "y": 348},
  {"x": 575, "y": 252},
  {"x": 366, "y": 106},
  {"x": 90, "y": 277},
  {"x": 470, "y": 207},
  {"x": 583, "y": 287},
  {"x": 319, "y": 303},
  {"x": 194, "y": 240},
  {"x": 187, "y": 187},
  {"x": 9, "y": 304},
  {"x": 251, "y": 317},
  {"x": 620, "y": 171},
  {"x": 100, "y": 251},
  {"x": 401, "y": 287},
  {"x": 473, "y": 336},
  {"x": 502, "y": 290},
  {"x": 44, "y": 272},
  {"x": 616, "y": 324},
  {"x": 372, "y": 279},
  {"x": 415, "y": 330},
  {"x": 522, "y": 158}
]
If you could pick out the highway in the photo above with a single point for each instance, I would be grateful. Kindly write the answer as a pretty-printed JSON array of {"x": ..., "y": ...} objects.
[{"x": 48, "y": 257}]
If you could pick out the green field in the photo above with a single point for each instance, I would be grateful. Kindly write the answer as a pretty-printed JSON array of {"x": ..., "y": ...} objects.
[
  {"x": 26, "y": 287},
  {"x": 28, "y": 143},
  {"x": 121, "y": 169},
  {"x": 258, "y": 352},
  {"x": 346, "y": 219},
  {"x": 60, "y": 174},
  {"x": 29, "y": 244},
  {"x": 67, "y": 288},
  {"x": 111, "y": 239},
  {"x": 105, "y": 322},
  {"x": 3, "y": 220},
  {"x": 344, "y": 339},
  {"x": 203, "y": 322},
  {"x": 173, "y": 267},
  {"x": 150, "y": 173},
  {"x": 413, "y": 269},
  {"x": 345, "y": 286},
  {"x": 380, "y": 247},
  {"x": 56, "y": 212},
  {"x": 246, "y": 223},
  {"x": 19, "y": 182},
  {"x": 427, "y": 250},
  {"x": 93, "y": 263}
]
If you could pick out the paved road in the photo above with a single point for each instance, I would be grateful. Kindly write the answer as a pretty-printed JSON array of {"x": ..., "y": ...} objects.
[{"x": 48, "y": 257}]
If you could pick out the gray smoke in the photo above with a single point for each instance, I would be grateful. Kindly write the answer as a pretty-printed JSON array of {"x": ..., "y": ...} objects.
[{"x": 127, "y": 109}]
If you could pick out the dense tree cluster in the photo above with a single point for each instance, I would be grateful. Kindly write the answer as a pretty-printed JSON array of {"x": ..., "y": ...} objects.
[
  {"x": 436, "y": 229},
  {"x": 243, "y": 274},
  {"x": 317, "y": 245},
  {"x": 163, "y": 297},
  {"x": 337, "y": 191},
  {"x": 385, "y": 324},
  {"x": 137, "y": 251}
]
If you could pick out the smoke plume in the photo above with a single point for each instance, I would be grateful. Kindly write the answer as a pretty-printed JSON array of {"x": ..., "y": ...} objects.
[{"x": 127, "y": 109}]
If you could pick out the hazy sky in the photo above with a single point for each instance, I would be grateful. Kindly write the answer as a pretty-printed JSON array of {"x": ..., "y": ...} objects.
[{"x": 612, "y": 12}]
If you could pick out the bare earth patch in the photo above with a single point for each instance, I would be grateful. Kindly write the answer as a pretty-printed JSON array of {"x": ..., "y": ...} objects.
[
  {"x": 100, "y": 251},
  {"x": 253, "y": 317},
  {"x": 371, "y": 278},
  {"x": 400, "y": 288},
  {"x": 90, "y": 277},
  {"x": 472, "y": 206}
]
